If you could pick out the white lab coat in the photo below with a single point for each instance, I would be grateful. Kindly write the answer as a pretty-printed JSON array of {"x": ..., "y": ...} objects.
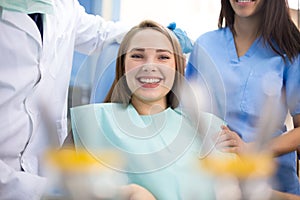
[{"x": 34, "y": 80}]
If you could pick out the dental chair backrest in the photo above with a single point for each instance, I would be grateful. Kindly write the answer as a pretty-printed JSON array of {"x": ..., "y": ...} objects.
[{"x": 104, "y": 73}]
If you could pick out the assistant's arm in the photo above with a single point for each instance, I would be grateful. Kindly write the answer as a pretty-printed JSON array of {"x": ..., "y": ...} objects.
[
  {"x": 230, "y": 141},
  {"x": 289, "y": 141}
]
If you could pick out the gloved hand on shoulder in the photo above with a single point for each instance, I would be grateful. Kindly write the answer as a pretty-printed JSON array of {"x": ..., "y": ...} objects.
[{"x": 185, "y": 42}]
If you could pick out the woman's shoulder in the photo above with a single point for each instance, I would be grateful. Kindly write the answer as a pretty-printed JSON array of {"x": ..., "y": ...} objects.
[{"x": 203, "y": 117}]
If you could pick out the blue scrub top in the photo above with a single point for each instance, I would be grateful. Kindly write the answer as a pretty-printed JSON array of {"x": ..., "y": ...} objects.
[
  {"x": 161, "y": 150},
  {"x": 238, "y": 89}
]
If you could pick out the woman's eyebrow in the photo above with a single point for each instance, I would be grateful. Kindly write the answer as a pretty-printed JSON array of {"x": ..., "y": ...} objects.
[
  {"x": 157, "y": 50},
  {"x": 137, "y": 49},
  {"x": 163, "y": 50}
]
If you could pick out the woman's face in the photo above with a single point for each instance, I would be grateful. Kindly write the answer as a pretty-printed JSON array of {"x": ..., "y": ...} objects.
[
  {"x": 150, "y": 67},
  {"x": 246, "y": 8}
]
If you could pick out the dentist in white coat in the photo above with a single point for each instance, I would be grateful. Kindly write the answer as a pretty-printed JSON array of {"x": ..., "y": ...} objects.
[{"x": 35, "y": 68}]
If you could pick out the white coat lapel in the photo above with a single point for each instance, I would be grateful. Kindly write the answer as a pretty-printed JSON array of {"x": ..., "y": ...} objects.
[
  {"x": 23, "y": 22},
  {"x": 49, "y": 22}
]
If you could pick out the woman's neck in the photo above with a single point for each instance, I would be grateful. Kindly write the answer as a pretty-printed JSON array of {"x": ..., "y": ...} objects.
[
  {"x": 247, "y": 30},
  {"x": 148, "y": 108}
]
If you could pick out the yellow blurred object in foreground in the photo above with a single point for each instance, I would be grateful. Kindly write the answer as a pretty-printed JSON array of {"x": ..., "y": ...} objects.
[
  {"x": 81, "y": 174},
  {"x": 81, "y": 159},
  {"x": 243, "y": 166}
]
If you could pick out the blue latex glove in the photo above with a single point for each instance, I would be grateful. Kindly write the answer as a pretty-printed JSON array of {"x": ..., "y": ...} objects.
[{"x": 184, "y": 40}]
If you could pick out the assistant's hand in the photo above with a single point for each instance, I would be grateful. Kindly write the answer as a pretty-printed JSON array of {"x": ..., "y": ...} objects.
[
  {"x": 135, "y": 192},
  {"x": 230, "y": 142},
  {"x": 185, "y": 42}
]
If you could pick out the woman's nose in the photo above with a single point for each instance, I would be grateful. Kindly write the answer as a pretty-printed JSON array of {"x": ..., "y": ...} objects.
[{"x": 149, "y": 67}]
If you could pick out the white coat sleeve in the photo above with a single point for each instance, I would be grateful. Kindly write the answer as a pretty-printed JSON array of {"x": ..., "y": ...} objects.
[
  {"x": 19, "y": 185},
  {"x": 92, "y": 31}
]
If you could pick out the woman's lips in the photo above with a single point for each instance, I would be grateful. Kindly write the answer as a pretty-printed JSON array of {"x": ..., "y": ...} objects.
[
  {"x": 149, "y": 82},
  {"x": 244, "y": 1}
]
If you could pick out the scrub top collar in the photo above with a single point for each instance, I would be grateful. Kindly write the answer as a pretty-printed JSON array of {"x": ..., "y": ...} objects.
[{"x": 234, "y": 58}]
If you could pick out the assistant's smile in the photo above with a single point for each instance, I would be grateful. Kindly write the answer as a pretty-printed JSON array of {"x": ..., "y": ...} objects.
[{"x": 244, "y": 1}]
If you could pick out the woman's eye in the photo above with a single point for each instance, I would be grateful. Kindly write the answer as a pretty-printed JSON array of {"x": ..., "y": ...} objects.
[
  {"x": 136, "y": 56},
  {"x": 164, "y": 57}
]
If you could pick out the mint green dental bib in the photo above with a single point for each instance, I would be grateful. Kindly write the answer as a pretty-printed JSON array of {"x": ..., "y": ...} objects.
[{"x": 161, "y": 150}]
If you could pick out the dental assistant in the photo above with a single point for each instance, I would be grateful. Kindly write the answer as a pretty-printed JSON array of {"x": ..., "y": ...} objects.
[
  {"x": 250, "y": 62},
  {"x": 35, "y": 68}
]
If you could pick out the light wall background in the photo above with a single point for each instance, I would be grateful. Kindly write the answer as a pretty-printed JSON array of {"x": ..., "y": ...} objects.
[{"x": 193, "y": 16}]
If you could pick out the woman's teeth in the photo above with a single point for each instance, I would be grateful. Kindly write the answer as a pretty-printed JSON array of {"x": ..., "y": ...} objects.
[
  {"x": 244, "y": 1},
  {"x": 149, "y": 80}
]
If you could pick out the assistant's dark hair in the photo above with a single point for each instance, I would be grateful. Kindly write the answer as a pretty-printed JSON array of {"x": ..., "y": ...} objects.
[
  {"x": 276, "y": 26},
  {"x": 120, "y": 92}
]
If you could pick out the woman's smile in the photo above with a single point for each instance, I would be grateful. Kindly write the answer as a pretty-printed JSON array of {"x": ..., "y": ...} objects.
[
  {"x": 244, "y": 1},
  {"x": 149, "y": 82}
]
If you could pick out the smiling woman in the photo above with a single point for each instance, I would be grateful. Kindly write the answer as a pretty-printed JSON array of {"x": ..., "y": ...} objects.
[
  {"x": 150, "y": 69},
  {"x": 148, "y": 58},
  {"x": 142, "y": 119}
]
